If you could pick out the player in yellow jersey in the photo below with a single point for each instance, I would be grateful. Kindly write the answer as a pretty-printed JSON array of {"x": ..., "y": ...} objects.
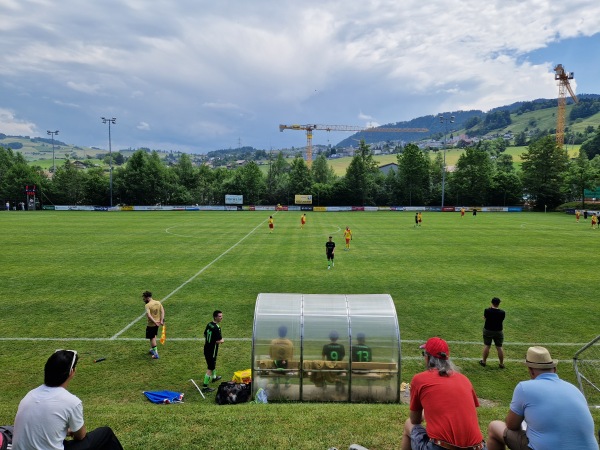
[
  {"x": 348, "y": 237},
  {"x": 271, "y": 224},
  {"x": 303, "y": 220}
]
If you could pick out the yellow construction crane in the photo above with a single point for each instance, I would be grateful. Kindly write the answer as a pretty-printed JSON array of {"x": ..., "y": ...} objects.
[
  {"x": 309, "y": 132},
  {"x": 563, "y": 85}
]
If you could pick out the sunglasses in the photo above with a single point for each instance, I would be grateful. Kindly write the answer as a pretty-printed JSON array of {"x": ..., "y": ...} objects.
[{"x": 74, "y": 357}]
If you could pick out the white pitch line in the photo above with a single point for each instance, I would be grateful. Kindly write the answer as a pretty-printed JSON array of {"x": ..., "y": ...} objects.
[
  {"x": 105, "y": 339},
  {"x": 189, "y": 280},
  {"x": 245, "y": 339},
  {"x": 549, "y": 344}
]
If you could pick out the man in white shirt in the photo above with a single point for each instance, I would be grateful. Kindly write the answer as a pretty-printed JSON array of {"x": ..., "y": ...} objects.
[{"x": 48, "y": 414}]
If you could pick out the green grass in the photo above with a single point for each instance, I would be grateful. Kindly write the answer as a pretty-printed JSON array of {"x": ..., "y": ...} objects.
[{"x": 74, "y": 279}]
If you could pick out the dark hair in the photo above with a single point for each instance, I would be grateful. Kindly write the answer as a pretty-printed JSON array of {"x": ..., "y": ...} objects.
[
  {"x": 495, "y": 301},
  {"x": 58, "y": 367},
  {"x": 282, "y": 331},
  {"x": 334, "y": 335},
  {"x": 146, "y": 294},
  {"x": 360, "y": 337},
  {"x": 216, "y": 313}
]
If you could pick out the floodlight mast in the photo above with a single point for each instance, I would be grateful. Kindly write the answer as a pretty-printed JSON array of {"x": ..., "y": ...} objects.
[
  {"x": 109, "y": 121},
  {"x": 445, "y": 121},
  {"x": 53, "y": 133}
]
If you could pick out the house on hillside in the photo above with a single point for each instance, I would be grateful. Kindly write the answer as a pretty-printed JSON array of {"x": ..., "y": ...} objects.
[
  {"x": 385, "y": 169},
  {"x": 80, "y": 164}
]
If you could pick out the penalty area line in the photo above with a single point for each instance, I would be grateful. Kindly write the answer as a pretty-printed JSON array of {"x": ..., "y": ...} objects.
[{"x": 133, "y": 322}]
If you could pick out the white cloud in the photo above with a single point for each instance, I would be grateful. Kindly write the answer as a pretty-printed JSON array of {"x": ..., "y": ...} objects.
[
  {"x": 208, "y": 73},
  {"x": 15, "y": 127},
  {"x": 83, "y": 87}
]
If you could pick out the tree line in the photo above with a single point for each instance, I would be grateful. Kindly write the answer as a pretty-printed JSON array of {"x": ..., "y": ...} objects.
[{"x": 484, "y": 175}]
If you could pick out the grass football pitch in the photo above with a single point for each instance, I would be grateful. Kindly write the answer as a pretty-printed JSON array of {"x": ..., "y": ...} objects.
[{"x": 74, "y": 280}]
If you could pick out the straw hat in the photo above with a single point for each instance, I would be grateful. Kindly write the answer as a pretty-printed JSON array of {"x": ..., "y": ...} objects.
[{"x": 539, "y": 358}]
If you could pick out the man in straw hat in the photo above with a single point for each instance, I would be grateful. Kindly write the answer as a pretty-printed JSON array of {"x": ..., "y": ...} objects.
[
  {"x": 450, "y": 401},
  {"x": 555, "y": 412}
]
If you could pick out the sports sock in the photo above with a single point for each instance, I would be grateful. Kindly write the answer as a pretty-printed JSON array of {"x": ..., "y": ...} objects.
[
  {"x": 206, "y": 380},
  {"x": 155, "y": 350},
  {"x": 214, "y": 374}
]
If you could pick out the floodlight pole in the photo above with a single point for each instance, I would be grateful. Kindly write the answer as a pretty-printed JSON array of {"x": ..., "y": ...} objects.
[
  {"x": 109, "y": 121},
  {"x": 445, "y": 121},
  {"x": 53, "y": 133}
]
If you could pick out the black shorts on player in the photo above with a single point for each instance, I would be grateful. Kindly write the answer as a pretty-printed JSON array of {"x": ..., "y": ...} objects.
[
  {"x": 151, "y": 332},
  {"x": 211, "y": 359}
]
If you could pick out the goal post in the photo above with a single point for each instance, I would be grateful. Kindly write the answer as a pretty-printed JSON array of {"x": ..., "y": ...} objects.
[{"x": 586, "y": 363}]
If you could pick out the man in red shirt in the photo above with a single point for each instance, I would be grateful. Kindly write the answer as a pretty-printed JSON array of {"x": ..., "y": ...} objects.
[{"x": 450, "y": 401}]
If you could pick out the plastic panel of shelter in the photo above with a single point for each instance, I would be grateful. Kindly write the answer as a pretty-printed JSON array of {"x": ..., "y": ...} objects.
[
  {"x": 276, "y": 346},
  {"x": 318, "y": 371},
  {"x": 325, "y": 347},
  {"x": 374, "y": 350}
]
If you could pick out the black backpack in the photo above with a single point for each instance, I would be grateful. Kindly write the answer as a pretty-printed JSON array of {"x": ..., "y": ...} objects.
[
  {"x": 230, "y": 393},
  {"x": 6, "y": 435}
]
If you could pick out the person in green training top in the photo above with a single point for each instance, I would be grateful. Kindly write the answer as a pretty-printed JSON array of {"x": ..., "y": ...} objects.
[
  {"x": 361, "y": 352},
  {"x": 333, "y": 351},
  {"x": 212, "y": 339}
]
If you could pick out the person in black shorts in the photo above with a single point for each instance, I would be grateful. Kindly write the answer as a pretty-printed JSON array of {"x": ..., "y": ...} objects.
[
  {"x": 329, "y": 251},
  {"x": 212, "y": 339},
  {"x": 492, "y": 331}
]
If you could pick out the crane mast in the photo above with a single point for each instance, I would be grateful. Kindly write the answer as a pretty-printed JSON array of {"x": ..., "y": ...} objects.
[
  {"x": 309, "y": 128},
  {"x": 562, "y": 78}
]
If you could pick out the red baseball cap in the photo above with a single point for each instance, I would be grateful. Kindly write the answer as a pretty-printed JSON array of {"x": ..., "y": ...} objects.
[{"x": 437, "y": 347}]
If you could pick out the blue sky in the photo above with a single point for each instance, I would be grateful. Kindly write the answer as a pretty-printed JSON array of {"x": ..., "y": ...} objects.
[{"x": 196, "y": 76}]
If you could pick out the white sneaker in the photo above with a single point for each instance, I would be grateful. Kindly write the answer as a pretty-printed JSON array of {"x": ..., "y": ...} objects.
[{"x": 328, "y": 267}]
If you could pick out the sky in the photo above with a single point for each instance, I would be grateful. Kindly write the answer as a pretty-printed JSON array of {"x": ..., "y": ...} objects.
[{"x": 196, "y": 76}]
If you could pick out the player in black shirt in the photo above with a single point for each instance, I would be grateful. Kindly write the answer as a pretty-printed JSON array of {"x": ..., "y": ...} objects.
[
  {"x": 329, "y": 251},
  {"x": 492, "y": 330},
  {"x": 212, "y": 339}
]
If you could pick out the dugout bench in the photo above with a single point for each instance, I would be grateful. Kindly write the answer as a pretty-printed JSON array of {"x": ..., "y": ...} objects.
[{"x": 308, "y": 321}]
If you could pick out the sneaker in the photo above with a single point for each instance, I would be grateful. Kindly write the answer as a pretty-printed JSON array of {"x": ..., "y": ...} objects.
[
  {"x": 207, "y": 389},
  {"x": 328, "y": 267},
  {"x": 481, "y": 363},
  {"x": 501, "y": 366},
  {"x": 155, "y": 356},
  {"x": 217, "y": 378},
  {"x": 332, "y": 264},
  {"x": 151, "y": 352}
]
